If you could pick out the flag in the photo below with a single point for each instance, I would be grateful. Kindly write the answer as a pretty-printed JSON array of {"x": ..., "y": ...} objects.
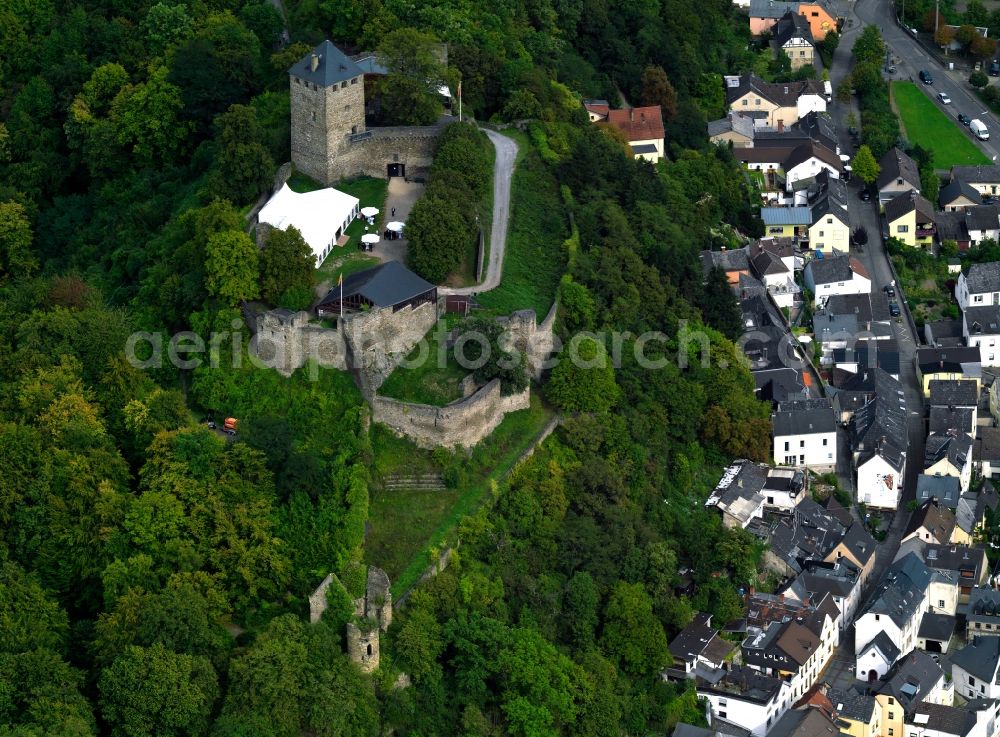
[
  {"x": 459, "y": 89},
  {"x": 340, "y": 279}
]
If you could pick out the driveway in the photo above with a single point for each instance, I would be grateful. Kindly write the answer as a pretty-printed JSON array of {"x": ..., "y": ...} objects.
[
  {"x": 401, "y": 195},
  {"x": 503, "y": 172}
]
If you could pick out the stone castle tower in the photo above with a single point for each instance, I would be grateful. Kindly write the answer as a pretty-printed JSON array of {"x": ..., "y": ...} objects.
[{"x": 328, "y": 107}]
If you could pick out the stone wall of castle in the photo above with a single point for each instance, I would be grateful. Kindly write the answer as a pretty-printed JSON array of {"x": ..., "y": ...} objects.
[
  {"x": 535, "y": 340},
  {"x": 286, "y": 343},
  {"x": 411, "y": 146},
  {"x": 463, "y": 423}
]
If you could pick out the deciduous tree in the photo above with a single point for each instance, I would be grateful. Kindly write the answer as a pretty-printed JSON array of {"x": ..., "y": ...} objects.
[
  {"x": 864, "y": 165},
  {"x": 231, "y": 266},
  {"x": 286, "y": 262},
  {"x": 657, "y": 90}
]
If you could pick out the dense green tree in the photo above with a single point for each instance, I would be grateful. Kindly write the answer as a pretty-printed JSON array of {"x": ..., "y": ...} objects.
[
  {"x": 869, "y": 48},
  {"x": 244, "y": 165},
  {"x": 632, "y": 635},
  {"x": 583, "y": 380},
  {"x": 409, "y": 92},
  {"x": 42, "y": 696},
  {"x": 151, "y": 692},
  {"x": 486, "y": 350},
  {"x": 231, "y": 266},
  {"x": 657, "y": 90},
  {"x": 719, "y": 306},
  {"x": 864, "y": 165},
  {"x": 166, "y": 25},
  {"x": 16, "y": 255},
  {"x": 438, "y": 236},
  {"x": 286, "y": 262}
]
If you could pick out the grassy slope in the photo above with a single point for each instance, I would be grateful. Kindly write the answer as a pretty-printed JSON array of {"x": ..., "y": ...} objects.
[
  {"x": 405, "y": 526},
  {"x": 425, "y": 382},
  {"x": 535, "y": 258},
  {"x": 925, "y": 124}
]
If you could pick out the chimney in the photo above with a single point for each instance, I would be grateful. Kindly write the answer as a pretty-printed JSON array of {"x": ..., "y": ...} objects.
[{"x": 313, "y": 63}]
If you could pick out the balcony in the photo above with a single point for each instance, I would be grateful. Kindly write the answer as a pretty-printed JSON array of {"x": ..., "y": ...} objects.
[{"x": 926, "y": 231}]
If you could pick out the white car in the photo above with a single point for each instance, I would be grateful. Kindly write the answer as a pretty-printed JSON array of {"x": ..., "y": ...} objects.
[{"x": 943, "y": 97}]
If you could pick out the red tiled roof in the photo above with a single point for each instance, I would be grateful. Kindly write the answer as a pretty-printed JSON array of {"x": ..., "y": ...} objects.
[
  {"x": 638, "y": 123},
  {"x": 601, "y": 110}
]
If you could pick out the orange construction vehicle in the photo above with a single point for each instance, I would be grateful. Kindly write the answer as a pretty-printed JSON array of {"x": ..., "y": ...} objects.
[{"x": 229, "y": 426}]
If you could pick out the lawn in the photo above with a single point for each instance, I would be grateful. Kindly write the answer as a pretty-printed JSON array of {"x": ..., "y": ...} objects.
[
  {"x": 406, "y": 526},
  {"x": 425, "y": 381},
  {"x": 925, "y": 124},
  {"x": 536, "y": 257}
]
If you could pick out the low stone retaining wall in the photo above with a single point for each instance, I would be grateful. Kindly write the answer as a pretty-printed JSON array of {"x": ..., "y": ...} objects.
[{"x": 463, "y": 423}]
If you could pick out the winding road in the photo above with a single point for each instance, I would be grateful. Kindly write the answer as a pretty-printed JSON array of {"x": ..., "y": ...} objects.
[{"x": 503, "y": 173}]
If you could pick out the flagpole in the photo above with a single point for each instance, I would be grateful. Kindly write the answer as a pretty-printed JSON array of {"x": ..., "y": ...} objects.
[
  {"x": 459, "y": 102},
  {"x": 341, "y": 280}
]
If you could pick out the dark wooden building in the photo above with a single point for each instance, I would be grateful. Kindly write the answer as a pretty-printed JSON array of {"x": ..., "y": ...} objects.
[{"x": 387, "y": 285}]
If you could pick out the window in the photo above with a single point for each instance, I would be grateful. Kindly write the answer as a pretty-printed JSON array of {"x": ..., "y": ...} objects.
[
  {"x": 821, "y": 234},
  {"x": 840, "y": 284},
  {"x": 899, "y": 180},
  {"x": 802, "y": 443},
  {"x": 892, "y": 715},
  {"x": 978, "y": 298},
  {"x": 829, "y": 221},
  {"x": 802, "y": 459},
  {"x": 891, "y": 700},
  {"x": 779, "y": 230},
  {"x": 902, "y": 228},
  {"x": 354, "y": 81},
  {"x": 972, "y": 681},
  {"x": 722, "y": 715},
  {"x": 746, "y": 102},
  {"x": 890, "y": 731},
  {"x": 940, "y": 603},
  {"x": 347, "y": 107},
  {"x": 343, "y": 85},
  {"x": 786, "y": 446},
  {"x": 723, "y": 703},
  {"x": 876, "y": 619},
  {"x": 802, "y": 53},
  {"x": 757, "y": 102},
  {"x": 314, "y": 116},
  {"x": 824, "y": 441}
]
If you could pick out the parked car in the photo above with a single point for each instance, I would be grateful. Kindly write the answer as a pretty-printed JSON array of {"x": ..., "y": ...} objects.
[
  {"x": 964, "y": 119},
  {"x": 865, "y": 194},
  {"x": 926, "y": 77},
  {"x": 943, "y": 97},
  {"x": 995, "y": 68},
  {"x": 894, "y": 309},
  {"x": 889, "y": 290}
]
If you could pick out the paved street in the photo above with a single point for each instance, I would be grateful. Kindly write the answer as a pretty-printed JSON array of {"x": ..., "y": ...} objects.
[{"x": 839, "y": 672}]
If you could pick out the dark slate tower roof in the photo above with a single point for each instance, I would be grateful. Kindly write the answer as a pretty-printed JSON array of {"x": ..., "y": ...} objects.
[{"x": 332, "y": 66}]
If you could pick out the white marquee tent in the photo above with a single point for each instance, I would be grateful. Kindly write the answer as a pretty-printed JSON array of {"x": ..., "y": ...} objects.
[{"x": 321, "y": 216}]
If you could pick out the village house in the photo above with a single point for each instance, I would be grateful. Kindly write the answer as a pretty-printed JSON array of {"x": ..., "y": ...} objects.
[
  {"x": 949, "y": 454},
  {"x": 931, "y": 522},
  {"x": 893, "y": 612},
  {"x": 809, "y": 532},
  {"x": 747, "y": 699},
  {"x": 776, "y": 385},
  {"x": 909, "y": 218},
  {"x": 738, "y": 494},
  {"x": 975, "y": 669},
  {"x": 831, "y": 224},
  {"x": 948, "y": 362},
  {"x": 943, "y": 333},
  {"x": 732, "y": 261},
  {"x": 986, "y": 452},
  {"x": 954, "y": 406},
  {"x": 981, "y": 328},
  {"x": 955, "y": 196},
  {"x": 698, "y": 651},
  {"x": 943, "y": 489},
  {"x": 840, "y": 581},
  {"x": 977, "y": 718},
  {"x": 643, "y": 128},
  {"x": 914, "y": 679},
  {"x": 973, "y": 506},
  {"x": 794, "y": 39},
  {"x": 774, "y": 104},
  {"x": 764, "y": 15},
  {"x": 878, "y": 442},
  {"x": 786, "y": 222},
  {"x": 812, "y": 721},
  {"x": 985, "y": 179},
  {"x": 784, "y": 489},
  {"x": 777, "y": 278},
  {"x": 806, "y": 162},
  {"x": 805, "y": 434},
  {"x": 857, "y": 547},
  {"x": 597, "y": 110},
  {"x": 983, "y": 613},
  {"x": 735, "y": 128},
  {"x": 841, "y": 274},
  {"x": 898, "y": 174},
  {"x": 967, "y": 565},
  {"x": 979, "y": 285},
  {"x": 793, "y": 650},
  {"x": 857, "y": 712}
]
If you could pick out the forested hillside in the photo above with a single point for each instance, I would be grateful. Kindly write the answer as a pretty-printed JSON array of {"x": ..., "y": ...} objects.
[{"x": 154, "y": 575}]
